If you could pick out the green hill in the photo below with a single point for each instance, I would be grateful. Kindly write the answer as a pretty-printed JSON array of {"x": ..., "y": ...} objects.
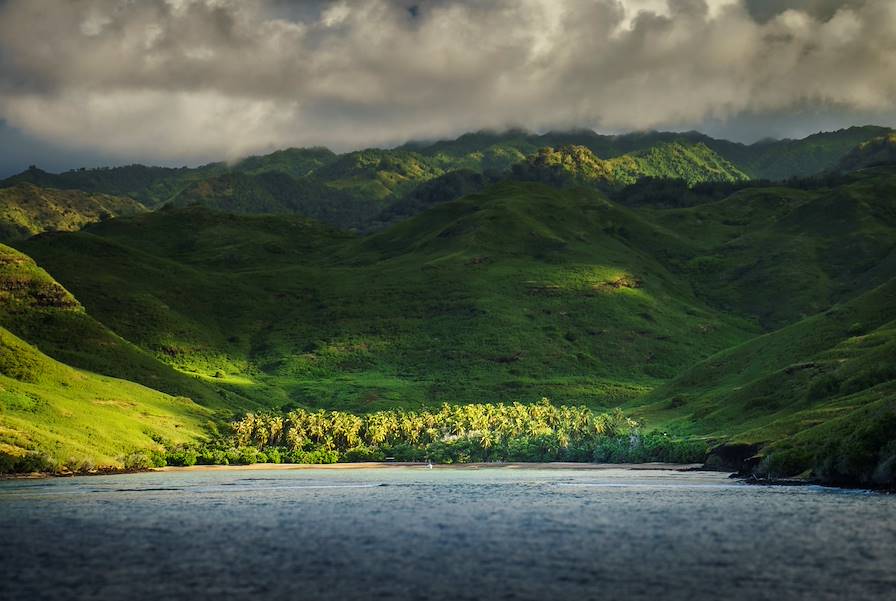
[
  {"x": 297, "y": 162},
  {"x": 26, "y": 210},
  {"x": 516, "y": 293},
  {"x": 279, "y": 193},
  {"x": 767, "y": 159},
  {"x": 812, "y": 247},
  {"x": 378, "y": 174},
  {"x": 578, "y": 165},
  {"x": 512, "y": 293},
  {"x": 55, "y": 417},
  {"x": 152, "y": 186},
  {"x": 784, "y": 159},
  {"x": 37, "y": 308},
  {"x": 874, "y": 152},
  {"x": 367, "y": 189},
  {"x": 450, "y": 186},
  {"x": 760, "y": 316},
  {"x": 818, "y": 395}
]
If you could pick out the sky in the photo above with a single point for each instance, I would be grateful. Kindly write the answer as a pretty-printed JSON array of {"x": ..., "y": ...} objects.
[{"x": 183, "y": 82}]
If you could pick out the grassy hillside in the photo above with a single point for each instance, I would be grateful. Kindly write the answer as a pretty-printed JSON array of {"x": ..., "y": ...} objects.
[
  {"x": 784, "y": 159},
  {"x": 522, "y": 292},
  {"x": 874, "y": 152},
  {"x": 819, "y": 393},
  {"x": 26, "y": 210},
  {"x": 781, "y": 253},
  {"x": 53, "y": 416},
  {"x": 578, "y": 165},
  {"x": 763, "y": 317},
  {"x": 37, "y": 308}
]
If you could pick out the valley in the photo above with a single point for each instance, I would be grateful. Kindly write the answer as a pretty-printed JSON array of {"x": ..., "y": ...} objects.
[{"x": 664, "y": 278}]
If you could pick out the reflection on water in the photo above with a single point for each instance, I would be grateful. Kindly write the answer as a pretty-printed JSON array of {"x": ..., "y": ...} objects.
[{"x": 410, "y": 533}]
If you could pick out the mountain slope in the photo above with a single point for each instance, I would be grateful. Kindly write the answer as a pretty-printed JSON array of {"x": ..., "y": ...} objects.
[
  {"x": 152, "y": 186},
  {"x": 281, "y": 194},
  {"x": 805, "y": 391},
  {"x": 55, "y": 417},
  {"x": 781, "y": 254},
  {"x": 26, "y": 210},
  {"x": 874, "y": 152},
  {"x": 383, "y": 173},
  {"x": 784, "y": 159},
  {"x": 517, "y": 293},
  {"x": 296, "y": 162},
  {"x": 767, "y": 159},
  {"x": 577, "y": 164},
  {"x": 36, "y": 308}
]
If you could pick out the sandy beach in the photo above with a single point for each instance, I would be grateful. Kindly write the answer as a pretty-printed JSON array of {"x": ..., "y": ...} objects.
[{"x": 678, "y": 467}]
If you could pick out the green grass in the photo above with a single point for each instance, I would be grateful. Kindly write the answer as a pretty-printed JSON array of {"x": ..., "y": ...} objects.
[
  {"x": 796, "y": 388},
  {"x": 26, "y": 210},
  {"x": 515, "y": 294},
  {"x": 871, "y": 153},
  {"x": 764, "y": 317},
  {"x": 37, "y": 308},
  {"x": 53, "y": 416},
  {"x": 692, "y": 163}
]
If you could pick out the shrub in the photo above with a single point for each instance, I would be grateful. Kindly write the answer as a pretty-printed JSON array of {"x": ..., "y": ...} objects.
[
  {"x": 274, "y": 456},
  {"x": 363, "y": 453},
  {"x": 182, "y": 457},
  {"x": 144, "y": 459},
  {"x": 25, "y": 464}
]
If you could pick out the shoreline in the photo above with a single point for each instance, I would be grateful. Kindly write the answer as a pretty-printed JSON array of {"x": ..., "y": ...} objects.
[
  {"x": 557, "y": 465},
  {"x": 747, "y": 480}
]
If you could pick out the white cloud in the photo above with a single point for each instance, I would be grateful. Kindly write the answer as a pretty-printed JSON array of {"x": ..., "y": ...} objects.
[{"x": 203, "y": 79}]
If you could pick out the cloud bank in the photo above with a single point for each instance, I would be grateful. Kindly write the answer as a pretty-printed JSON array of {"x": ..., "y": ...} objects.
[{"x": 191, "y": 79}]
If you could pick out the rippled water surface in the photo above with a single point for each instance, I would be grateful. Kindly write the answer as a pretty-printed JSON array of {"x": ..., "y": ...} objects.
[{"x": 411, "y": 533}]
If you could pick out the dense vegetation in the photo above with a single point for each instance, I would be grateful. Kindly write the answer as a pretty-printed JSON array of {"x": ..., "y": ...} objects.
[
  {"x": 370, "y": 189},
  {"x": 56, "y": 418},
  {"x": 691, "y": 164},
  {"x": 732, "y": 311},
  {"x": 451, "y": 434},
  {"x": 26, "y": 210},
  {"x": 874, "y": 152},
  {"x": 516, "y": 293}
]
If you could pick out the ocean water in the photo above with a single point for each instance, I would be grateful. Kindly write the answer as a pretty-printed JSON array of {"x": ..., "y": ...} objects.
[{"x": 413, "y": 533}]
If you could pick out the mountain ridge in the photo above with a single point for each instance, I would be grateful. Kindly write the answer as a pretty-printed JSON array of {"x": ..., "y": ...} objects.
[{"x": 688, "y": 308}]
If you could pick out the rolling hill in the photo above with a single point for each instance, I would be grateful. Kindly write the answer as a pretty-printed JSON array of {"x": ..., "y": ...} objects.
[
  {"x": 819, "y": 393},
  {"x": 26, "y": 210},
  {"x": 53, "y": 416},
  {"x": 515, "y": 289},
  {"x": 874, "y": 152},
  {"x": 357, "y": 189},
  {"x": 746, "y": 313},
  {"x": 578, "y": 165},
  {"x": 34, "y": 306}
]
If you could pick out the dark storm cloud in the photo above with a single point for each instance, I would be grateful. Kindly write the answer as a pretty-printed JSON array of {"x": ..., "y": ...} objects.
[
  {"x": 762, "y": 10},
  {"x": 201, "y": 79}
]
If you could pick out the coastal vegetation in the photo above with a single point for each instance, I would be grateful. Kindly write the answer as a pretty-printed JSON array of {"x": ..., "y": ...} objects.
[
  {"x": 712, "y": 313},
  {"x": 477, "y": 432}
]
